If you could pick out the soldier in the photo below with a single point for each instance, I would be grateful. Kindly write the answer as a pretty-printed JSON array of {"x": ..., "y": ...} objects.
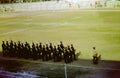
[
  {"x": 7, "y": 48},
  {"x": 44, "y": 55},
  {"x": 66, "y": 55},
  {"x": 11, "y": 49},
  {"x": 59, "y": 53},
  {"x": 40, "y": 45},
  {"x": 61, "y": 45},
  {"x": 15, "y": 49},
  {"x": 40, "y": 50},
  {"x": 55, "y": 54},
  {"x": 51, "y": 50},
  {"x": 3, "y": 48},
  {"x": 19, "y": 49},
  {"x": 48, "y": 53},
  {"x": 22, "y": 51},
  {"x": 73, "y": 52},
  {"x": 29, "y": 51},
  {"x": 26, "y": 52},
  {"x": 34, "y": 52},
  {"x": 37, "y": 51}
]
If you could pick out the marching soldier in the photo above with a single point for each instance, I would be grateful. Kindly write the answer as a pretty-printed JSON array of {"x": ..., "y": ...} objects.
[
  {"x": 44, "y": 55},
  {"x": 26, "y": 52},
  {"x": 37, "y": 51},
  {"x": 3, "y": 48},
  {"x": 73, "y": 52},
  {"x": 51, "y": 50},
  {"x": 34, "y": 53},
  {"x": 22, "y": 51},
  {"x": 66, "y": 55},
  {"x": 19, "y": 49},
  {"x": 11, "y": 49},
  {"x": 40, "y": 45},
  {"x": 15, "y": 49},
  {"x": 70, "y": 53},
  {"x": 61, "y": 45},
  {"x": 7, "y": 48},
  {"x": 26, "y": 44},
  {"x": 48, "y": 53},
  {"x": 59, "y": 53},
  {"x": 40, "y": 50},
  {"x": 55, "y": 54},
  {"x": 29, "y": 50}
]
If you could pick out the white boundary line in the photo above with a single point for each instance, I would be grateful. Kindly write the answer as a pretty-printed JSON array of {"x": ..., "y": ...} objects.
[{"x": 11, "y": 32}]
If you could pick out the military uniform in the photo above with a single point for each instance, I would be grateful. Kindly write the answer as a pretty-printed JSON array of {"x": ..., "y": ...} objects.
[{"x": 3, "y": 48}]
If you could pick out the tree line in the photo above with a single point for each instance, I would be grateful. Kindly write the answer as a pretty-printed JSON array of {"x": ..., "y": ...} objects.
[{"x": 20, "y": 1}]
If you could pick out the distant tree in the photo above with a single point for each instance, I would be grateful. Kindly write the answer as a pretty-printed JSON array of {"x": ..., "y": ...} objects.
[
  {"x": 19, "y": 1},
  {"x": 7, "y": 1},
  {"x": 105, "y": 3}
]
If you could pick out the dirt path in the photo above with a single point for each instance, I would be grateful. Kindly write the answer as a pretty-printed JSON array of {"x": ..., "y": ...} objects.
[{"x": 77, "y": 69}]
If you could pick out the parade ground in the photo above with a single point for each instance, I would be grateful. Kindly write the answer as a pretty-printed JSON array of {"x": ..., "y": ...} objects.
[
  {"x": 85, "y": 25},
  {"x": 82, "y": 28}
]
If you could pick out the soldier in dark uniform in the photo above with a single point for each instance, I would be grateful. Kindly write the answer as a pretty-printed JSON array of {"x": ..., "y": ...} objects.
[
  {"x": 3, "y": 48},
  {"x": 51, "y": 50},
  {"x": 73, "y": 52},
  {"x": 48, "y": 53},
  {"x": 37, "y": 50},
  {"x": 18, "y": 49},
  {"x": 29, "y": 51},
  {"x": 44, "y": 53},
  {"x": 40, "y": 51},
  {"x": 26, "y": 50},
  {"x": 22, "y": 51},
  {"x": 7, "y": 48},
  {"x": 11, "y": 49},
  {"x": 34, "y": 52},
  {"x": 40, "y": 45},
  {"x": 61, "y": 45},
  {"x": 15, "y": 49},
  {"x": 26, "y": 44},
  {"x": 66, "y": 55},
  {"x": 55, "y": 54},
  {"x": 59, "y": 53}
]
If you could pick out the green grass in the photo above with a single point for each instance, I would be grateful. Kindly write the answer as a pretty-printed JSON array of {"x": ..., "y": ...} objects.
[{"x": 81, "y": 28}]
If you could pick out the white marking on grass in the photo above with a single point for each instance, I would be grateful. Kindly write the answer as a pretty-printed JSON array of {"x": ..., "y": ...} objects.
[
  {"x": 81, "y": 66},
  {"x": 78, "y": 17},
  {"x": 16, "y": 31},
  {"x": 54, "y": 23},
  {"x": 86, "y": 10}
]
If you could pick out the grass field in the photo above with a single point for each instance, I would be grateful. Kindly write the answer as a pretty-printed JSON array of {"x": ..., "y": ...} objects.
[{"x": 84, "y": 29}]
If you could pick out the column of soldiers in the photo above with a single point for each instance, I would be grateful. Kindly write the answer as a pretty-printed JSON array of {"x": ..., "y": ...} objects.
[{"x": 45, "y": 52}]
